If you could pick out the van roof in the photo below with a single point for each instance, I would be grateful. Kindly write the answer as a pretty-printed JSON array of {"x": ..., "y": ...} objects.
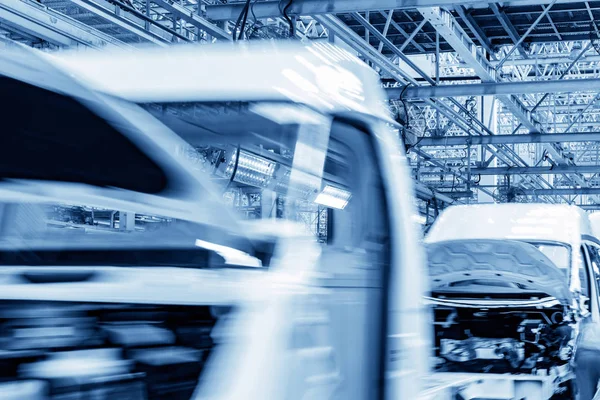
[
  {"x": 544, "y": 222},
  {"x": 319, "y": 75}
]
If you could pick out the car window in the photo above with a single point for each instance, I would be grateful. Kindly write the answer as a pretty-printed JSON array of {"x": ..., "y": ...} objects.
[
  {"x": 583, "y": 273},
  {"x": 42, "y": 128},
  {"x": 595, "y": 261}
]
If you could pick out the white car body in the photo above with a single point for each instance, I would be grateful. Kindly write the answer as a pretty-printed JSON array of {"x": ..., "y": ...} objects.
[
  {"x": 321, "y": 77},
  {"x": 502, "y": 251},
  {"x": 521, "y": 222}
]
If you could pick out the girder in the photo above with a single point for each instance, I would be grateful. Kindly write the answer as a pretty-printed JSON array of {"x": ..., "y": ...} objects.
[
  {"x": 498, "y": 88},
  {"x": 546, "y": 170},
  {"x": 453, "y": 33},
  {"x": 51, "y": 26},
  {"x": 444, "y": 23},
  {"x": 98, "y": 9},
  {"x": 509, "y": 139},
  {"x": 270, "y": 8},
  {"x": 194, "y": 19},
  {"x": 557, "y": 192}
]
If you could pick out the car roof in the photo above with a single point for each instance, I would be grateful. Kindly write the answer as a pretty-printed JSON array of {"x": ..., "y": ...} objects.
[
  {"x": 319, "y": 75},
  {"x": 544, "y": 222}
]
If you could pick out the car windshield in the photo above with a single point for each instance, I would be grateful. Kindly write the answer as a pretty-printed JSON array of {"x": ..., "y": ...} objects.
[
  {"x": 267, "y": 161},
  {"x": 559, "y": 254}
]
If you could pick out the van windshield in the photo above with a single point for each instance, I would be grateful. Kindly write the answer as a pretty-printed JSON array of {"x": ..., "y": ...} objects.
[
  {"x": 265, "y": 161},
  {"x": 559, "y": 254}
]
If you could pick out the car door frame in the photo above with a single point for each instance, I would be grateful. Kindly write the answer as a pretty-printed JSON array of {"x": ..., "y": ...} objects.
[{"x": 588, "y": 241}]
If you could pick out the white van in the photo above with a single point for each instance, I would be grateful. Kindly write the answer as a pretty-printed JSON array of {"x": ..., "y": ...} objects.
[
  {"x": 271, "y": 132},
  {"x": 511, "y": 284}
]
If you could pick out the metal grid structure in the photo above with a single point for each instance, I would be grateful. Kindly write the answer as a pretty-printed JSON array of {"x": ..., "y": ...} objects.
[{"x": 458, "y": 73}]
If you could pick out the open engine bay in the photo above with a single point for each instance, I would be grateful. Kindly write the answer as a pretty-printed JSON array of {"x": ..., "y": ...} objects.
[{"x": 504, "y": 340}]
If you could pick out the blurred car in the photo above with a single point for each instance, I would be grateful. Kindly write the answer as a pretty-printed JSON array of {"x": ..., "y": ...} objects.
[{"x": 107, "y": 145}]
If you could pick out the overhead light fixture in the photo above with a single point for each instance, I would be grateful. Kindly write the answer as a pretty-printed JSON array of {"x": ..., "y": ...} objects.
[
  {"x": 251, "y": 169},
  {"x": 333, "y": 197},
  {"x": 245, "y": 167},
  {"x": 254, "y": 170}
]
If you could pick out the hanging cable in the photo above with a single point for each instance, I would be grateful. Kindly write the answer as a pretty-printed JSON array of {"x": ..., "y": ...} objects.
[
  {"x": 284, "y": 12},
  {"x": 242, "y": 17},
  {"x": 254, "y": 21},
  {"x": 245, "y": 11},
  {"x": 401, "y": 98},
  {"x": 406, "y": 123}
]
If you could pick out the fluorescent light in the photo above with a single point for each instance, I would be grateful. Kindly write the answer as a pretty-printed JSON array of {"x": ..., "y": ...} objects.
[
  {"x": 254, "y": 170},
  {"x": 232, "y": 256},
  {"x": 333, "y": 197},
  {"x": 258, "y": 171}
]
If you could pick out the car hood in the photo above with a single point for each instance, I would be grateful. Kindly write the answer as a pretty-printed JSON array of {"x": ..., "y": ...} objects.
[{"x": 498, "y": 268}]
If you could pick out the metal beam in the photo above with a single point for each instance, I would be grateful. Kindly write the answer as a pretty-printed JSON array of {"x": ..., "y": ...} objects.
[
  {"x": 114, "y": 18},
  {"x": 428, "y": 158},
  {"x": 475, "y": 29},
  {"x": 398, "y": 52},
  {"x": 51, "y": 26},
  {"x": 509, "y": 28},
  {"x": 543, "y": 60},
  {"x": 386, "y": 28},
  {"x": 355, "y": 41},
  {"x": 522, "y": 38},
  {"x": 589, "y": 207},
  {"x": 412, "y": 35},
  {"x": 403, "y": 32},
  {"x": 445, "y": 23},
  {"x": 557, "y": 192},
  {"x": 509, "y": 139},
  {"x": 498, "y": 88},
  {"x": 270, "y": 8},
  {"x": 546, "y": 170},
  {"x": 342, "y": 30},
  {"x": 194, "y": 19},
  {"x": 425, "y": 193}
]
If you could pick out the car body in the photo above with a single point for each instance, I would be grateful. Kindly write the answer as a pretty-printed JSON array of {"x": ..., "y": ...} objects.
[
  {"x": 503, "y": 271},
  {"x": 366, "y": 267}
]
